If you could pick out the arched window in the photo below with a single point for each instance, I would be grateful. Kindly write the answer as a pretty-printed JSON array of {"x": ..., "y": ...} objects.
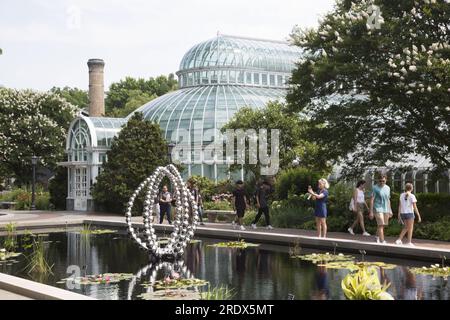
[{"x": 79, "y": 141}]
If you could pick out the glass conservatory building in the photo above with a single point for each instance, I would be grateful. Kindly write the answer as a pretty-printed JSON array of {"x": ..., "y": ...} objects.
[
  {"x": 87, "y": 142},
  {"x": 216, "y": 78}
]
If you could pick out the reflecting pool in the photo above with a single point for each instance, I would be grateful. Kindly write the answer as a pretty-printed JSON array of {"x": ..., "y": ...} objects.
[{"x": 263, "y": 272}]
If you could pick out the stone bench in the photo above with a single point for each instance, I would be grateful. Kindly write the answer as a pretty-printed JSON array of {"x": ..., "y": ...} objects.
[
  {"x": 8, "y": 205},
  {"x": 222, "y": 215}
]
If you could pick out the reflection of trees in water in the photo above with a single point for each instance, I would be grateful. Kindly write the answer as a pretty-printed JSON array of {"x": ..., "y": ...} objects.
[{"x": 95, "y": 254}]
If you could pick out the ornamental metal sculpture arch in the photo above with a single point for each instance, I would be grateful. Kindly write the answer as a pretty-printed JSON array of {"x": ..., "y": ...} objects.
[{"x": 183, "y": 230}]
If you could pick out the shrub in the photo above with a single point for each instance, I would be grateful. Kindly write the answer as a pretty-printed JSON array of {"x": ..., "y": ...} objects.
[
  {"x": 134, "y": 155},
  {"x": 439, "y": 230},
  {"x": 22, "y": 197},
  {"x": 58, "y": 189},
  {"x": 295, "y": 181},
  {"x": 217, "y": 205}
]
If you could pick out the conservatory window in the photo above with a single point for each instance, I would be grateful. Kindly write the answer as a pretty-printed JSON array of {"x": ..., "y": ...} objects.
[
  {"x": 223, "y": 76},
  {"x": 419, "y": 182},
  {"x": 264, "y": 79},
  {"x": 240, "y": 79},
  {"x": 397, "y": 183},
  {"x": 190, "y": 79},
  {"x": 232, "y": 78},
  {"x": 196, "y": 78},
  {"x": 280, "y": 81},
  {"x": 272, "y": 80},
  {"x": 80, "y": 141},
  {"x": 256, "y": 78},
  {"x": 205, "y": 79},
  {"x": 248, "y": 79},
  {"x": 214, "y": 77}
]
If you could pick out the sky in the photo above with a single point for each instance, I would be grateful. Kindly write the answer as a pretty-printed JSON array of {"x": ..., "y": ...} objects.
[{"x": 47, "y": 43}]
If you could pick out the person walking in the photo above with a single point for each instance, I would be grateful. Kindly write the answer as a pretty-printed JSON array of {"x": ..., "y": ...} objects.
[
  {"x": 320, "y": 211},
  {"x": 195, "y": 192},
  {"x": 262, "y": 204},
  {"x": 165, "y": 205},
  {"x": 239, "y": 202},
  {"x": 407, "y": 206},
  {"x": 358, "y": 205},
  {"x": 380, "y": 206}
]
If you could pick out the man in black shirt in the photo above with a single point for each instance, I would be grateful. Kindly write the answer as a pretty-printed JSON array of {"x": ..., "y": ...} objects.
[
  {"x": 262, "y": 204},
  {"x": 239, "y": 204}
]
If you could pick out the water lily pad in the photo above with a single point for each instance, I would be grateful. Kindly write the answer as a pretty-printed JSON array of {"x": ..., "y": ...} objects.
[
  {"x": 179, "y": 294},
  {"x": 351, "y": 265},
  {"x": 234, "y": 244},
  {"x": 324, "y": 257},
  {"x": 434, "y": 270},
  {"x": 7, "y": 256},
  {"x": 181, "y": 283},
  {"x": 104, "y": 278}
]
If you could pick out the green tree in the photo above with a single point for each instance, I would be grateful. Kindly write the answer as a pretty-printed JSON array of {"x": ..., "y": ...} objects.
[
  {"x": 136, "y": 99},
  {"x": 134, "y": 155},
  {"x": 125, "y": 94},
  {"x": 375, "y": 82},
  {"x": 57, "y": 188},
  {"x": 274, "y": 116},
  {"x": 32, "y": 123},
  {"x": 74, "y": 96}
]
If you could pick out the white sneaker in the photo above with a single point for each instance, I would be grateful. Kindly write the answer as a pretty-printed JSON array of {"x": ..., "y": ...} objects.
[
  {"x": 269, "y": 227},
  {"x": 233, "y": 224},
  {"x": 366, "y": 234},
  {"x": 377, "y": 239},
  {"x": 242, "y": 228},
  {"x": 411, "y": 244},
  {"x": 384, "y": 242},
  {"x": 253, "y": 226},
  {"x": 398, "y": 241},
  {"x": 350, "y": 230}
]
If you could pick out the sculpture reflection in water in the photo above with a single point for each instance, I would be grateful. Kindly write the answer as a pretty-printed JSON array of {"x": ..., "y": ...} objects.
[
  {"x": 186, "y": 218},
  {"x": 165, "y": 280}
]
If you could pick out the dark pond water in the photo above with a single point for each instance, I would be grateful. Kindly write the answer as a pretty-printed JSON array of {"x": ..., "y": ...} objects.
[{"x": 264, "y": 272}]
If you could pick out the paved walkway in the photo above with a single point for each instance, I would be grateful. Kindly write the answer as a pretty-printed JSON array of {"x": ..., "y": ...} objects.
[
  {"x": 6, "y": 295},
  {"x": 36, "y": 218}
]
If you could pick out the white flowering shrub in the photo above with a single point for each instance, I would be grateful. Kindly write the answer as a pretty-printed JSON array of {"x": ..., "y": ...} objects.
[
  {"x": 375, "y": 82},
  {"x": 32, "y": 123}
]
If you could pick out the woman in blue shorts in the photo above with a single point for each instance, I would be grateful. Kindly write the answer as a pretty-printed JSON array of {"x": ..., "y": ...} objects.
[{"x": 320, "y": 211}]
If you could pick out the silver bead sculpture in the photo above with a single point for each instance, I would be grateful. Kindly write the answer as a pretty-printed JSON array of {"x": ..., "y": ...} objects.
[{"x": 182, "y": 232}]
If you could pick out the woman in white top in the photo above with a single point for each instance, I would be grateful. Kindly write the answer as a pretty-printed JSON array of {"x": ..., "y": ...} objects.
[
  {"x": 358, "y": 205},
  {"x": 406, "y": 208}
]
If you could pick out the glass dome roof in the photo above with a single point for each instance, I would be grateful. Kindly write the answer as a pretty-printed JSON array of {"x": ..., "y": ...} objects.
[
  {"x": 202, "y": 108},
  {"x": 238, "y": 53}
]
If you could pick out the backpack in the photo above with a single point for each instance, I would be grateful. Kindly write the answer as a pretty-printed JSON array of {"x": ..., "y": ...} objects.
[{"x": 351, "y": 206}]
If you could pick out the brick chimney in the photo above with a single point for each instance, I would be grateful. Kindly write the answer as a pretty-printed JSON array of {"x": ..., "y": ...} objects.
[{"x": 96, "y": 88}]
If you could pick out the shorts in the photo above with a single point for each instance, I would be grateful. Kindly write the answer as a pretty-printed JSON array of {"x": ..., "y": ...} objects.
[
  {"x": 407, "y": 216},
  {"x": 382, "y": 218},
  {"x": 360, "y": 207},
  {"x": 240, "y": 212}
]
